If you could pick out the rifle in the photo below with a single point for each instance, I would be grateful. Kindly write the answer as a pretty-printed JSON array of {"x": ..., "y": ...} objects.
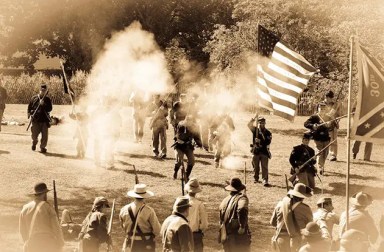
[
  {"x": 136, "y": 177},
  {"x": 337, "y": 118},
  {"x": 301, "y": 167},
  {"x": 37, "y": 108},
  {"x": 182, "y": 177},
  {"x": 55, "y": 199},
  {"x": 286, "y": 182},
  {"x": 110, "y": 224}
]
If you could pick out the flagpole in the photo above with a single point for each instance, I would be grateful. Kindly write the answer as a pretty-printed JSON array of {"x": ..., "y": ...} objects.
[
  {"x": 73, "y": 105},
  {"x": 348, "y": 134}
]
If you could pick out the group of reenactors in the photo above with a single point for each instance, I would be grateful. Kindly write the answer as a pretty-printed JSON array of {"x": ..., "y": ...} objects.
[
  {"x": 298, "y": 229},
  {"x": 183, "y": 230}
]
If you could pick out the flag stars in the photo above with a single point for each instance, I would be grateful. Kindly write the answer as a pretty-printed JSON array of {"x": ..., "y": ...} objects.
[{"x": 367, "y": 125}]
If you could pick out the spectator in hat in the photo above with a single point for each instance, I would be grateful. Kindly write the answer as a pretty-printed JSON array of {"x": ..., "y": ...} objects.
[
  {"x": 38, "y": 110},
  {"x": 313, "y": 240},
  {"x": 175, "y": 232},
  {"x": 139, "y": 221},
  {"x": 319, "y": 127},
  {"x": 261, "y": 139},
  {"x": 325, "y": 217},
  {"x": 94, "y": 231},
  {"x": 291, "y": 215},
  {"x": 353, "y": 240},
  {"x": 187, "y": 135},
  {"x": 300, "y": 155},
  {"x": 38, "y": 224},
  {"x": 234, "y": 218},
  {"x": 198, "y": 217},
  {"x": 3, "y": 98},
  {"x": 359, "y": 217}
]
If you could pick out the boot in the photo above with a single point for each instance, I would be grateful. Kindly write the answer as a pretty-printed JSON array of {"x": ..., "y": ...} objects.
[
  {"x": 175, "y": 171},
  {"x": 189, "y": 170}
]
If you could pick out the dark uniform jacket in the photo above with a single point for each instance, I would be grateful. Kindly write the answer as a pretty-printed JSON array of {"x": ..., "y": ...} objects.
[
  {"x": 299, "y": 155},
  {"x": 42, "y": 113},
  {"x": 3, "y": 97},
  {"x": 95, "y": 228},
  {"x": 321, "y": 133},
  {"x": 265, "y": 138},
  {"x": 185, "y": 134},
  {"x": 234, "y": 214},
  {"x": 176, "y": 233}
]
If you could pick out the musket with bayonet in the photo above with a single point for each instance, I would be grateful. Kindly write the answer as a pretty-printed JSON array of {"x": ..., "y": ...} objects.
[
  {"x": 55, "y": 203},
  {"x": 110, "y": 225},
  {"x": 136, "y": 177},
  {"x": 183, "y": 177},
  {"x": 301, "y": 167},
  {"x": 37, "y": 108},
  {"x": 337, "y": 118}
]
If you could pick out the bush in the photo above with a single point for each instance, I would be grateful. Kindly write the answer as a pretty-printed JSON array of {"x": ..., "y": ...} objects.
[{"x": 21, "y": 88}]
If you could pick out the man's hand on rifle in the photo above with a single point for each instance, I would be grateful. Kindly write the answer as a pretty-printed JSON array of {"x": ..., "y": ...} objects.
[
  {"x": 41, "y": 102},
  {"x": 297, "y": 170},
  {"x": 315, "y": 126}
]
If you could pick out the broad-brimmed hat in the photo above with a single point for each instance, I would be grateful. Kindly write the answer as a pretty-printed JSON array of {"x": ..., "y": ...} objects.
[
  {"x": 140, "y": 192},
  {"x": 324, "y": 200},
  {"x": 40, "y": 188},
  {"x": 235, "y": 185},
  {"x": 193, "y": 186},
  {"x": 311, "y": 230},
  {"x": 361, "y": 199},
  {"x": 181, "y": 202},
  {"x": 301, "y": 191},
  {"x": 100, "y": 201}
]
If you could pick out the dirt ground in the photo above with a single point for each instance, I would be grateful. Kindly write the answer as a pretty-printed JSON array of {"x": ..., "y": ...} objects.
[{"x": 78, "y": 181}]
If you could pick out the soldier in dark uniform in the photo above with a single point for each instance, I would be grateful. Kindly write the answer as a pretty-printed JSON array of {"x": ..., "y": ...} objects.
[
  {"x": 299, "y": 155},
  {"x": 260, "y": 149},
  {"x": 38, "y": 109},
  {"x": 186, "y": 132},
  {"x": 3, "y": 98},
  {"x": 180, "y": 109},
  {"x": 319, "y": 127}
]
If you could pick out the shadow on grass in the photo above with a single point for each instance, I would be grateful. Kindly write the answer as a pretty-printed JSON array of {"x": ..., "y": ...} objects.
[
  {"x": 352, "y": 176},
  {"x": 148, "y": 173},
  {"x": 206, "y": 156},
  {"x": 130, "y": 155},
  {"x": 338, "y": 189},
  {"x": 299, "y": 132},
  {"x": 222, "y": 185},
  {"x": 370, "y": 163},
  {"x": 59, "y": 155},
  {"x": 4, "y": 152}
]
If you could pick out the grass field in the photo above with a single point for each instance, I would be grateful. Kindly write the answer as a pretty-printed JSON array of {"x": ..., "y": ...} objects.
[{"x": 78, "y": 182}]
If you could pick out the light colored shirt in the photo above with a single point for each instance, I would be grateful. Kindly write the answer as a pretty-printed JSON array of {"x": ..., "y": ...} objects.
[
  {"x": 147, "y": 219},
  {"x": 46, "y": 222},
  {"x": 359, "y": 219},
  {"x": 198, "y": 217},
  {"x": 176, "y": 233},
  {"x": 326, "y": 220}
]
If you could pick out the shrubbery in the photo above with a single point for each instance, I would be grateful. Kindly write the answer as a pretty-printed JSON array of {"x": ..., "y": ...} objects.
[{"x": 21, "y": 88}]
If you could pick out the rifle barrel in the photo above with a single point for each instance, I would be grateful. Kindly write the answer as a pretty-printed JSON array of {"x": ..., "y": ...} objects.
[{"x": 55, "y": 199}]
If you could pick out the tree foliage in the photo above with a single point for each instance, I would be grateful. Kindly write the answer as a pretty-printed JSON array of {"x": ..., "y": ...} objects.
[{"x": 76, "y": 30}]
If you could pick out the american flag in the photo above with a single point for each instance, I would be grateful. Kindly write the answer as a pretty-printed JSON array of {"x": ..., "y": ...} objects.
[
  {"x": 368, "y": 120},
  {"x": 282, "y": 78}
]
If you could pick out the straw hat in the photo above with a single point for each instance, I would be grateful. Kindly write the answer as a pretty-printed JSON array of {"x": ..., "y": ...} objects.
[
  {"x": 301, "y": 191},
  {"x": 361, "y": 199},
  {"x": 140, "y": 192},
  {"x": 193, "y": 186}
]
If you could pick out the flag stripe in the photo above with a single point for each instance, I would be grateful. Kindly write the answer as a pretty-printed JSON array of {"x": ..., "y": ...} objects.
[
  {"x": 293, "y": 73},
  {"x": 294, "y": 57}
]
